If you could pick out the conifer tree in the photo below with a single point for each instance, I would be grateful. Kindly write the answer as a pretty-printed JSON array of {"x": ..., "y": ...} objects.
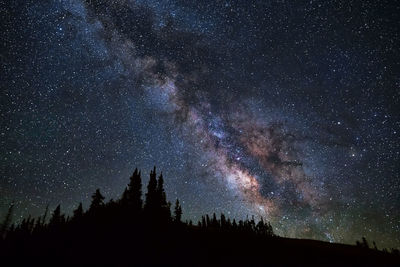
[
  {"x": 151, "y": 195},
  {"x": 203, "y": 221},
  {"x": 208, "y": 222},
  {"x": 46, "y": 212},
  {"x": 177, "y": 211},
  {"x": 229, "y": 224},
  {"x": 97, "y": 200},
  {"x": 133, "y": 193},
  {"x": 223, "y": 221},
  {"x": 7, "y": 221},
  {"x": 365, "y": 243},
  {"x": 27, "y": 225},
  {"x": 57, "y": 218},
  {"x": 124, "y": 198},
  {"x": 78, "y": 212},
  {"x": 234, "y": 224},
  {"x": 163, "y": 206},
  {"x": 161, "y": 196},
  {"x": 214, "y": 221}
]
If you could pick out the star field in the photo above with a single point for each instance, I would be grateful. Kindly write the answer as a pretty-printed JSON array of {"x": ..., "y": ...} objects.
[{"x": 285, "y": 110}]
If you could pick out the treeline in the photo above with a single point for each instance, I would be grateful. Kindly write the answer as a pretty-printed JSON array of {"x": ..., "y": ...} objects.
[
  {"x": 146, "y": 229},
  {"x": 155, "y": 210}
]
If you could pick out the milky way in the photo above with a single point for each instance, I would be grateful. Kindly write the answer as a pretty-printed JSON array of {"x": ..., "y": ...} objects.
[{"x": 286, "y": 111}]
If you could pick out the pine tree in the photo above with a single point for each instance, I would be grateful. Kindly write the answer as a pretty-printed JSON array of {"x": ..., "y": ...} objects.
[
  {"x": 97, "y": 200},
  {"x": 135, "y": 187},
  {"x": 78, "y": 212},
  {"x": 27, "y": 225},
  {"x": 161, "y": 196},
  {"x": 214, "y": 221},
  {"x": 7, "y": 221},
  {"x": 46, "y": 212},
  {"x": 156, "y": 204},
  {"x": 365, "y": 243},
  {"x": 177, "y": 212},
  {"x": 234, "y": 224},
  {"x": 124, "y": 198},
  {"x": 203, "y": 221},
  {"x": 223, "y": 221},
  {"x": 57, "y": 218},
  {"x": 164, "y": 207},
  {"x": 132, "y": 196},
  {"x": 151, "y": 195}
]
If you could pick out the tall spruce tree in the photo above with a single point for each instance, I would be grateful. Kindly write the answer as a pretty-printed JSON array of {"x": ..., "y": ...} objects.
[
  {"x": 57, "y": 218},
  {"x": 7, "y": 221},
  {"x": 133, "y": 194},
  {"x": 163, "y": 207},
  {"x": 97, "y": 200},
  {"x": 78, "y": 212},
  {"x": 151, "y": 195},
  {"x": 203, "y": 222},
  {"x": 223, "y": 221},
  {"x": 161, "y": 196},
  {"x": 177, "y": 212}
]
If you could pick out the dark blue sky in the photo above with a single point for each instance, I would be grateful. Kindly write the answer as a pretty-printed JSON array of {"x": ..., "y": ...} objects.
[{"x": 286, "y": 110}]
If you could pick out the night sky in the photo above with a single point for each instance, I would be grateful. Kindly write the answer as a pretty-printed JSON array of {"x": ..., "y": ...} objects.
[{"x": 282, "y": 109}]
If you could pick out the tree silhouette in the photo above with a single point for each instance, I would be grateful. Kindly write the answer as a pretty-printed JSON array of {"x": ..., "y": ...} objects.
[
  {"x": 177, "y": 212},
  {"x": 78, "y": 212},
  {"x": 146, "y": 234},
  {"x": 365, "y": 243},
  {"x": 97, "y": 200},
  {"x": 208, "y": 222},
  {"x": 160, "y": 193},
  {"x": 214, "y": 221},
  {"x": 151, "y": 195},
  {"x": 132, "y": 196},
  {"x": 224, "y": 223},
  {"x": 7, "y": 221},
  {"x": 163, "y": 207},
  {"x": 203, "y": 222},
  {"x": 57, "y": 218}
]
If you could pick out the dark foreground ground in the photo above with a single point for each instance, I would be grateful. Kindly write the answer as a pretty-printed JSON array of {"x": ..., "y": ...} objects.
[{"x": 178, "y": 245}]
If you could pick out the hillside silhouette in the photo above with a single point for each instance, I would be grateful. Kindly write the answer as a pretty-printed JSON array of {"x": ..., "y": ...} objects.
[{"x": 134, "y": 231}]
